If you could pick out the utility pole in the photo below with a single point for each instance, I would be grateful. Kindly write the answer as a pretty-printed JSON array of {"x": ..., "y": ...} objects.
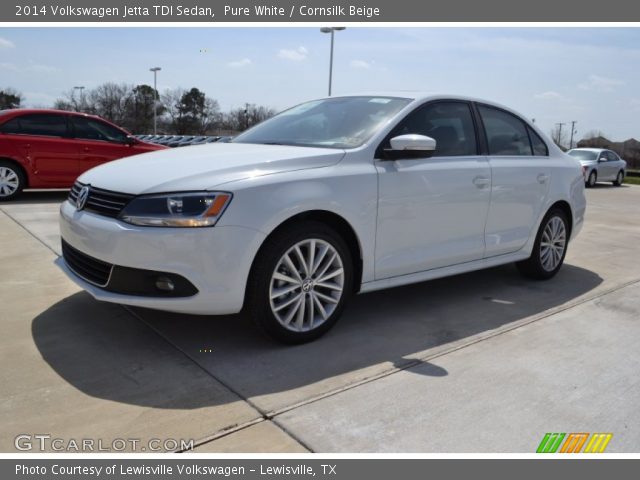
[
  {"x": 559, "y": 125},
  {"x": 573, "y": 130}
]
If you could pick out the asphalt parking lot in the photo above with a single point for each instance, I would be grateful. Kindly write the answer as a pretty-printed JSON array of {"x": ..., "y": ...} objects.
[{"x": 481, "y": 362}]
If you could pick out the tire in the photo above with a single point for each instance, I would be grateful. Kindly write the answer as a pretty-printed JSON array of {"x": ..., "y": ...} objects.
[
  {"x": 591, "y": 179},
  {"x": 545, "y": 260},
  {"x": 304, "y": 310},
  {"x": 12, "y": 181},
  {"x": 619, "y": 178}
]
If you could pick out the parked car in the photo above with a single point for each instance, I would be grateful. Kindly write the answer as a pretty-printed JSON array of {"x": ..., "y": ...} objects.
[
  {"x": 332, "y": 197},
  {"x": 50, "y": 148},
  {"x": 600, "y": 165}
]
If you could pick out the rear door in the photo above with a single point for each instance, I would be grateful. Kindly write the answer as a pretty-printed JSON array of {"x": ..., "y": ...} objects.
[
  {"x": 521, "y": 173},
  {"x": 98, "y": 142},
  {"x": 42, "y": 140}
]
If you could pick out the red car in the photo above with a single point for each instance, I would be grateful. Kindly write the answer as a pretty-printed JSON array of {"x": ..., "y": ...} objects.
[{"x": 51, "y": 148}]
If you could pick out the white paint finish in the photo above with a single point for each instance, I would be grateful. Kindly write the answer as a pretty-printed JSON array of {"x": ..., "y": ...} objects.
[
  {"x": 431, "y": 213},
  {"x": 414, "y": 219},
  {"x": 518, "y": 192},
  {"x": 203, "y": 167},
  {"x": 215, "y": 260}
]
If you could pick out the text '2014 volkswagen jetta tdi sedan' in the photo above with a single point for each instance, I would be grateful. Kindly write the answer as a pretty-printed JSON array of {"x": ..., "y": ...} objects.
[{"x": 329, "y": 198}]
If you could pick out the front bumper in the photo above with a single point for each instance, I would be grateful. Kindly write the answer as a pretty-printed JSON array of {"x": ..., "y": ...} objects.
[{"x": 216, "y": 260}]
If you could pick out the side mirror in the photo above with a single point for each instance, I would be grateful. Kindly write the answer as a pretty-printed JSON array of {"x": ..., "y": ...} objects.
[
  {"x": 411, "y": 146},
  {"x": 602, "y": 159},
  {"x": 130, "y": 141}
]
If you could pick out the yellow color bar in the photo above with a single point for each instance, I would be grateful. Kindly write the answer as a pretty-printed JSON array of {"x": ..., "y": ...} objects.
[{"x": 598, "y": 442}]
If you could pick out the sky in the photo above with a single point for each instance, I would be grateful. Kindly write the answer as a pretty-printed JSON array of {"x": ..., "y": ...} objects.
[{"x": 590, "y": 75}]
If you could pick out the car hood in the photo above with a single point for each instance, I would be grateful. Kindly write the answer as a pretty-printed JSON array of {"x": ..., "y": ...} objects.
[{"x": 203, "y": 167}]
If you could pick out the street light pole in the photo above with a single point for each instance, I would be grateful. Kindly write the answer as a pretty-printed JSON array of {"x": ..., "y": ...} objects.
[
  {"x": 332, "y": 31},
  {"x": 155, "y": 71},
  {"x": 81, "y": 88}
]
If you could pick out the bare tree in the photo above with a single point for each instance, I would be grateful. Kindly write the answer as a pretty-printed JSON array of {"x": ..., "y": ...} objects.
[
  {"x": 69, "y": 102},
  {"x": 240, "y": 119}
]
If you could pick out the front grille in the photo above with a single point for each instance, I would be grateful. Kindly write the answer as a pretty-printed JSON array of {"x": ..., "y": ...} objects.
[
  {"x": 90, "y": 269},
  {"x": 102, "y": 202}
]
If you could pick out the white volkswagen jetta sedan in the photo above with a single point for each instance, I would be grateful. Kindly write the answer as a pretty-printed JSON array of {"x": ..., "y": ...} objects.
[{"x": 329, "y": 198}]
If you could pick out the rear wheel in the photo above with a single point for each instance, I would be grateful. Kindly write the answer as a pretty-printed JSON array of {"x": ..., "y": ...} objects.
[
  {"x": 549, "y": 248},
  {"x": 619, "y": 178},
  {"x": 300, "y": 282},
  {"x": 592, "y": 179},
  {"x": 12, "y": 180}
]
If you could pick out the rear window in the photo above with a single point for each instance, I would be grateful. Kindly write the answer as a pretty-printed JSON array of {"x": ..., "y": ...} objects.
[
  {"x": 506, "y": 134},
  {"x": 37, "y": 124}
]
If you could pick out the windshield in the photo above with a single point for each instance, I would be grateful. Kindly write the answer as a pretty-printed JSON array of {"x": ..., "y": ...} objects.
[
  {"x": 342, "y": 122},
  {"x": 584, "y": 154}
]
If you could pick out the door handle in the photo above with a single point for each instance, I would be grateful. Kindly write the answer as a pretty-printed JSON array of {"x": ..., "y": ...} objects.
[
  {"x": 481, "y": 182},
  {"x": 542, "y": 178},
  {"x": 86, "y": 149}
]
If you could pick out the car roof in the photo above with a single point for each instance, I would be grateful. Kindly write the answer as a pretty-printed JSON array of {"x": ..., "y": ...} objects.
[
  {"x": 14, "y": 112},
  {"x": 425, "y": 96},
  {"x": 420, "y": 96}
]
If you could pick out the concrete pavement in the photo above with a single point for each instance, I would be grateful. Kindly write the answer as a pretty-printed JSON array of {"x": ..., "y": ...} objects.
[{"x": 486, "y": 361}]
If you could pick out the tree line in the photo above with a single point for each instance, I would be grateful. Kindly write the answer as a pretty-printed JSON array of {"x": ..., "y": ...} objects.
[{"x": 179, "y": 111}]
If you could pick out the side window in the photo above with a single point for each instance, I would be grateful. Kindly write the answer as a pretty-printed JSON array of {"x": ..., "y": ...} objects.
[
  {"x": 43, "y": 125},
  {"x": 506, "y": 134},
  {"x": 540, "y": 148},
  {"x": 90, "y": 129},
  {"x": 12, "y": 126},
  {"x": 611, "y": 156},
  {"x": 450, "y": 124}
]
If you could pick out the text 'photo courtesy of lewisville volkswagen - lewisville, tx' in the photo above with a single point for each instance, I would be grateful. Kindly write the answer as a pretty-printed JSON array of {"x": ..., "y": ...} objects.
[{"x": 299, "y": 245}]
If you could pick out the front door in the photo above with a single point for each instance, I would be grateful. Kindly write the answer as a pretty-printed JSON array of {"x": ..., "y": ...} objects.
[{"x": 432, "y": 211}]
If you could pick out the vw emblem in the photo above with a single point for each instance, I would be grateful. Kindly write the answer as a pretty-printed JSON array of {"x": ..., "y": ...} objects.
[{"x": 83, "y": 195}]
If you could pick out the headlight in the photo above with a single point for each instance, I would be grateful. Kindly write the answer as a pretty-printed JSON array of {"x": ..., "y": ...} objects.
[{"x": 201, "y": 209}]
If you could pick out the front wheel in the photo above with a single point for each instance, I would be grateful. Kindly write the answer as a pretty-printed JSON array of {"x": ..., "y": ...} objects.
[
  {"x": 549, "y": 248},
  {"x": 12, "y": 181},
  {"x": 592, "y": 179},
  {"x": 300, "y": 282},
  {"x": 619, "y": 178}
]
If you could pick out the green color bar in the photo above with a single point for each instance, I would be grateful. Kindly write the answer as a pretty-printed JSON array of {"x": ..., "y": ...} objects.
[
  {"x": 550, "y": 442},
  {"x": 555, "y": 446},
  {"x": 543, "y": 443}
]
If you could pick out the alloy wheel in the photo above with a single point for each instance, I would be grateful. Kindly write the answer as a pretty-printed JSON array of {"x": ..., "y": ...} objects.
[
  {"x": 9, "y": 182},
  {"x": 553, "y": 243},
  {"x": 306, "y": 285}
]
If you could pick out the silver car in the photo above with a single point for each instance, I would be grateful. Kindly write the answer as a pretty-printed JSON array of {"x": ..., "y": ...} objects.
[{"x": 600, "y": 165}]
